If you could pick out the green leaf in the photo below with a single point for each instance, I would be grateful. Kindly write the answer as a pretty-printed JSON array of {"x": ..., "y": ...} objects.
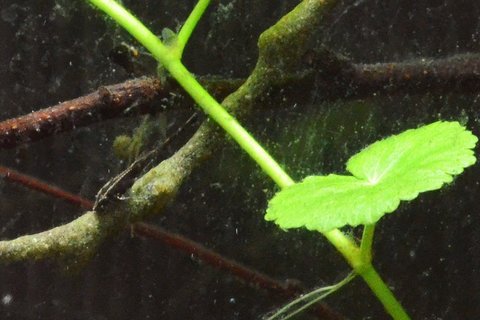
[{"x": 386, "y": 172}]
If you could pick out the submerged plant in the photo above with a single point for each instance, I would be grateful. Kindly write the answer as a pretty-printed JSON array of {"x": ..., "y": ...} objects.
[{"x": 385, "y": 173}]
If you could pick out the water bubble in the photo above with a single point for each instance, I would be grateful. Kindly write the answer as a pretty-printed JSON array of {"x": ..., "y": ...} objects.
[{"x": 7, "y": 299}]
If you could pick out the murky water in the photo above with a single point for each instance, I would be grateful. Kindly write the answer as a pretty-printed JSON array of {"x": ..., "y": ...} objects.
[{"x": 428, "y": 251}]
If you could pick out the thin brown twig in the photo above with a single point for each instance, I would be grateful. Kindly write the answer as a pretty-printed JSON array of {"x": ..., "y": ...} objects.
[
  {"x": 254, "y": 278},
  {"x": 337, "y": 77},
  {"x": 38, "y": 185},
  {"x": 216, "y": 260},
  {"x": 289, "y": 289},
  {"x": 456, "y": 74}
]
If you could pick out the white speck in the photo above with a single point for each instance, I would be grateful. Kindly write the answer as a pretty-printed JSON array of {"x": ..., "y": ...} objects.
[{"x": 7, "y": 299}]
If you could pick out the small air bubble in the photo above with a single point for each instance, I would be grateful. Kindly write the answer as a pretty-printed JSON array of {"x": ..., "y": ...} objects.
[{"x": 7, "y": 299}]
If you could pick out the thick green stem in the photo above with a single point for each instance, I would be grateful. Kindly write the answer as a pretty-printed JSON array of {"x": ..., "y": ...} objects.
[
  {"x": 346, "y": 246},
  {"x": 383, "y": 293},
  {"x": 361, "y": 263}
]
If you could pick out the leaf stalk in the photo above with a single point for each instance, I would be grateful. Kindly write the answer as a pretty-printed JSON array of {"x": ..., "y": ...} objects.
[{"x": 189, "y": 26}]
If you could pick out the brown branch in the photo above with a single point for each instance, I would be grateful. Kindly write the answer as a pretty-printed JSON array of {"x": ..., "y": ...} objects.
[
  {"x": 288, "y": 289},
  {"x": 216, "y": 260},
  {"x": 38, "y": 185},
  {"x": 337, "y": 77},
  {"x": 456, "y": 74},
  {"x": 105, "y": 103},
  {"x": 137, "y": 96}
]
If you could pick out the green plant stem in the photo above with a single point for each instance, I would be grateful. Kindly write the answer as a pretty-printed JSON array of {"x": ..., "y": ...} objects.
[
  {"x": 230, "y": 125},
  {"x": 189, "y": 25},
  {"x": 365, "y": 269},
  {"x": 172, "y": 63},
  {"x": 345, "y": 246},
  {"x": 367, "y": 241},
  {"x": 137, "y": 29},
  {"x": 383, "y": 293},
  {"x": 196, "y": 91}
]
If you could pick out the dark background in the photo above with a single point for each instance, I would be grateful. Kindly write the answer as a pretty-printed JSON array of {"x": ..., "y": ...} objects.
[{"x": 428, "y": 251}]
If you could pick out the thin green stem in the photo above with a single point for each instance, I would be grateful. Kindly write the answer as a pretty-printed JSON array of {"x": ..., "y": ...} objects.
[
  {"x": 367, "y": 241},
  {"x": 383, "y": 293},
  {"x": 310, "y": 299},
  {"x": 143, "y": 35},
  {"x": 230, "y": 125},
  {"x": 189, "y": 25}
]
